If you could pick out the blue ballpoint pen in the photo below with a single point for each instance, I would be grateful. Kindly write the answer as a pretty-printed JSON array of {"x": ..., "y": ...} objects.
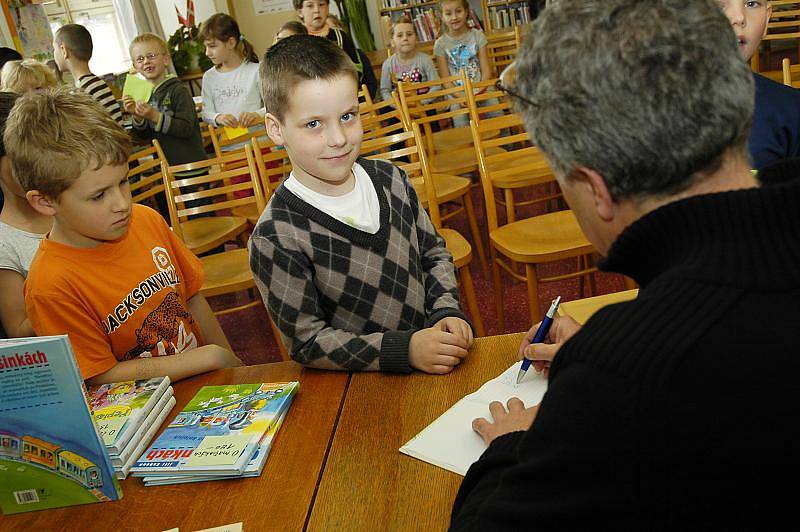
[{"x": 541, "y": 334}]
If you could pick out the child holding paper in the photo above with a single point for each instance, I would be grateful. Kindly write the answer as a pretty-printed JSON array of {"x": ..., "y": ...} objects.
[
  {"x": 231, "y": 89},
  {"x": 161, "y": 106}
]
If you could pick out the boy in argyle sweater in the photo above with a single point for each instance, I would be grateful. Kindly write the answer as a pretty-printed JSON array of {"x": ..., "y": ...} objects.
[{"x": 352, "y": 271}]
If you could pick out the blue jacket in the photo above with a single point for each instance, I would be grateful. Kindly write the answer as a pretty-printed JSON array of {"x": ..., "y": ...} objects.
[{"x": 776, "y": 122}]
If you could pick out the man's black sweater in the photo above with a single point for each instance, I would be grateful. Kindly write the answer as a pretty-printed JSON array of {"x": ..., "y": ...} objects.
[{"x": 679, "y": 409}]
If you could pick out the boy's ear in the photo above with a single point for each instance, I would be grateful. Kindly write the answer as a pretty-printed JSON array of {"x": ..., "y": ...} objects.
[
  {"x": 273, "y": 127},
  {"x": 41, "y": 203}
]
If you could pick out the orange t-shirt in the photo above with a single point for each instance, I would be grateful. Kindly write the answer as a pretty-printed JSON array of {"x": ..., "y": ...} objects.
[{"x": 120, "y": 300}]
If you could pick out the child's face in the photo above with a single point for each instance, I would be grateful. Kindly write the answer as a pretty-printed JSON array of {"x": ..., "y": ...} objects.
[
  {"x": 404, "y": 39},
  {"x": 454, "y": 16},
  {"x": 219, "y": 51},
  {"x": 284, "y": 33},
  {"x": 314, "y": 14},
  {"x": 96, "y": 208},
  {"x": 150, "y": 60},
  {"x": 749, "y": 19},
  {"x": 321, "y": 130}
]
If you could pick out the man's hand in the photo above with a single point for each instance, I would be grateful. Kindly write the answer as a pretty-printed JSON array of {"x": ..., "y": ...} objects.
[
  {"x": 517, "y": 417},
  {"x": 542, "y": 355}
]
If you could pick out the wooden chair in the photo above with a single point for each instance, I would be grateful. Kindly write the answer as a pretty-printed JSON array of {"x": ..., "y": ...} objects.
[
  {"x": 441, "y": 106},
  {"x": 502, "y": 47},
  {"x": 272, "y": 163},
  {"x": 783, "y": 25},
  {"x": 790, "y": 73},
  {"x": 400, "y": 148},
  {"x": 222, "y": 144},
  {"x": 144, "y": 174},
  {"x": 529, "y": 242},
  {"x": 383, "y": 119},
  {"x": 363, "y": 94}
]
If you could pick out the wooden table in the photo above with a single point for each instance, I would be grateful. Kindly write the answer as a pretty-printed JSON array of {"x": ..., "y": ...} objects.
[
  {"x": 582, "y": 309},
  {"x": 367, "y": 484},
  {"x": 277, "y": 500}
]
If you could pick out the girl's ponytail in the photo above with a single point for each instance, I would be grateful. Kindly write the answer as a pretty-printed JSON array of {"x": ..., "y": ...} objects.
[{"x": 246, "y": 50}]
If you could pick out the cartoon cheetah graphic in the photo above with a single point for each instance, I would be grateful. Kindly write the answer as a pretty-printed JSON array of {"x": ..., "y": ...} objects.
[{"x": 161, "y": 324}]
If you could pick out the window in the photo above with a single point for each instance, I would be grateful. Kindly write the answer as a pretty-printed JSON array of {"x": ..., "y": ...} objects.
[{"x": 110, "y": 53}]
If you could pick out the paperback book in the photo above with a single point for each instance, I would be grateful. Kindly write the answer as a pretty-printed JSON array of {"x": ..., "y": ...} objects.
[
  {"x": 218, "y": 432},
  {"x": 50, "y": 452}
]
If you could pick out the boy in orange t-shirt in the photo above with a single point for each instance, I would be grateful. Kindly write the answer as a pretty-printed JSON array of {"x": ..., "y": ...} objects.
[{"x": 110, "y": 274}]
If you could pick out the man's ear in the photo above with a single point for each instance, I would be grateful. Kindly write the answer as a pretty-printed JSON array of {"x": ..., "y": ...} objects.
[
  {"x": 273, "y": 127},
  {"x": 41, "y": 203},
  {"x": 604, "y": 202}
]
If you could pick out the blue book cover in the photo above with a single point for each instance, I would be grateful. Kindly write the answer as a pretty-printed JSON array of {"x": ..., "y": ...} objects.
[{"x": 50, "y": 453}]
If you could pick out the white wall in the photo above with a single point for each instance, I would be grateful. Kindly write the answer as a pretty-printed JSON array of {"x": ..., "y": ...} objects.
[{"x": 202, "y": 10}]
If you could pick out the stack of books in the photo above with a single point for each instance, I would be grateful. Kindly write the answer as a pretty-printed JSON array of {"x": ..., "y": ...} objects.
[
  {"x": 127, "y": 415},
  {"x": 223, "y": 432}
]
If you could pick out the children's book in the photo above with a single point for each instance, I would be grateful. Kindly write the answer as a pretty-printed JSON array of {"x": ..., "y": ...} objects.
[
  {"x": 119, "y": 408},
  {"x": 50, "y": 452},
  {"x": 156, "y": 413},
  {"x": 122, "y": 470},
  {"x": 218, "y": 431}
]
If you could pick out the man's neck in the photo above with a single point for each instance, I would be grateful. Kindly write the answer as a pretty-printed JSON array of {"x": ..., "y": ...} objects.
[{"x": 78, "y": 69}]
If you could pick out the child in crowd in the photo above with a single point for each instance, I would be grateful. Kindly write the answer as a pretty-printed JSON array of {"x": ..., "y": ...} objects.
[
  {"x": 314, "y": 14},
  {"x": 25, "y": 76},
  {"x": 406, "y": 63},
  {"x": 231, "y": 89},
  {"x": 21, "y": 230},
  {"x": 353, "y": 272},
  {"x": 775, "y": 133},
  {"x": 169, "y": 116},
  {"x": 461, "y": 48},
  {"x": 72, "y": 50},
  {"x": 110, "y": 274},
  {"x": 290, "y": 28}
]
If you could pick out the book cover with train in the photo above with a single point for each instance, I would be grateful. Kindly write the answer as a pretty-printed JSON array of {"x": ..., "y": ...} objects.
[{"x": 50, "y": 453}]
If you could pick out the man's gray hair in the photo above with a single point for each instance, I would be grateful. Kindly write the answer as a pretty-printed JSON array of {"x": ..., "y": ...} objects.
[{"x": 645, "y": 92}]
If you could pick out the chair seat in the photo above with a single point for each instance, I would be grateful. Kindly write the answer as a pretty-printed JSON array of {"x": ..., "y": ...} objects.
[
  {"x": 447, "y": 139},
  {"x": 457, "y": 161},
  {"x": 458, "y": 246},
  {"x": 542, "y": 238},
  {"x": 448, "y": 188},
  {"x": 203, "y": 234},
  {"x": 227, "y": 272},
  {"x": 247, "y": 211}
]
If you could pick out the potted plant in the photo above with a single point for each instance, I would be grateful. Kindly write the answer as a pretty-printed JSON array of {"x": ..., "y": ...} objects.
[{"x": 187, "y": 52}]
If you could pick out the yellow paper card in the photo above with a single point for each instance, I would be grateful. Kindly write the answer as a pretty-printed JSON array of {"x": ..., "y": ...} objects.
[
  {"x": 234, "y": 132},
  {"x": 218, "y": 450},
  {"x": 234, "y": 527},
  {"x": 137, "y": 88}
]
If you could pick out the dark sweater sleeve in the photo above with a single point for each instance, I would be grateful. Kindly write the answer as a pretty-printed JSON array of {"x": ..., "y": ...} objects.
[
  {"x": 575, "y": 464},
  {"x": 181, "y": 120}
]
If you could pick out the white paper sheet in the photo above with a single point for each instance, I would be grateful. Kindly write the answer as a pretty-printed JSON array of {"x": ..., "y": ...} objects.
[{"x": 450, "y": 443}]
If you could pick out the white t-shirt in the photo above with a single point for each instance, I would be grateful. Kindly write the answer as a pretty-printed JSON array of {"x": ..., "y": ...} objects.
[
  {"x": 358, "y": 208},
  {"x": 17, "y": 248},
  {"x": 233, "y": 92}
]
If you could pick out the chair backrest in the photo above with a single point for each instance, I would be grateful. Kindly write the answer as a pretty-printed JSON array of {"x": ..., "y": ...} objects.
[
  {"x": 406, "y": 151},
  {"x": 363, "y": 95},
  {"x": 272, "y": 163},
  {"x": 784, "y": 24},
  {"x": 220, "y": 140},
  {"x": 519, "y": 158},
  {"x": 440, "y": 103},
  {"x": 479, "y": 92},
  {"x": 502, "y": 48},
  {"x": 791, "y": 73},
  {"x": 381, "y": 118},
  {"x": 215, "y": 188},
  {"x": 144, "y": 173}
]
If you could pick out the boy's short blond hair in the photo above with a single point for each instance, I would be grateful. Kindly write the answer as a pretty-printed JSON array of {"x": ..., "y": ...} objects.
[
  {"x": 299, "y": 58},
  {"x": 26, "y": 75},
  {"x": 148, "y": 38},
  {"x": 55, "y": 135}
]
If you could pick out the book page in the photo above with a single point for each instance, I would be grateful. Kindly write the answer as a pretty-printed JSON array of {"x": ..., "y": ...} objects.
[{"x": 450, "y": 443}]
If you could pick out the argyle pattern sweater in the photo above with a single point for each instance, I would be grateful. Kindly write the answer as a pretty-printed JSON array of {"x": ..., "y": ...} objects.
[{"x": 346, "y": 299}]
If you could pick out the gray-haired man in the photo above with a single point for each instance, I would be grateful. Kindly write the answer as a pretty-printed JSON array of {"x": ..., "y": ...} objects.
[{"x": 679, "y": 409}]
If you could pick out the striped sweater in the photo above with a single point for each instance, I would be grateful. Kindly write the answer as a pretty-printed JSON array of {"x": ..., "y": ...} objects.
[
  {"x": 100, "y": 91},
  {"x": 346, "y": 299}
]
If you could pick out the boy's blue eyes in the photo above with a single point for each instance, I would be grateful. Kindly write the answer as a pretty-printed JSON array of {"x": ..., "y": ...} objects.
[{"x": 347, "y": 117}]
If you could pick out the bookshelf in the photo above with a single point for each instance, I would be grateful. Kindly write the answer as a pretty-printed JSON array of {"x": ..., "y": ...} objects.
[
  {"x": 422, "y": 13},
  {"x": 503, "y": 15}
]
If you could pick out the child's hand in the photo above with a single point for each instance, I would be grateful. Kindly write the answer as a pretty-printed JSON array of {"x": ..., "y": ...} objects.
[
  {"x": 249, "y": 119},
  {"x": 433, "y": 350},
  {"x": 129, "y": 104},
  {"x": 145, "y": 110},
  {"x": 456, "y": 326},
  {"x": 227, "y": 120}
]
